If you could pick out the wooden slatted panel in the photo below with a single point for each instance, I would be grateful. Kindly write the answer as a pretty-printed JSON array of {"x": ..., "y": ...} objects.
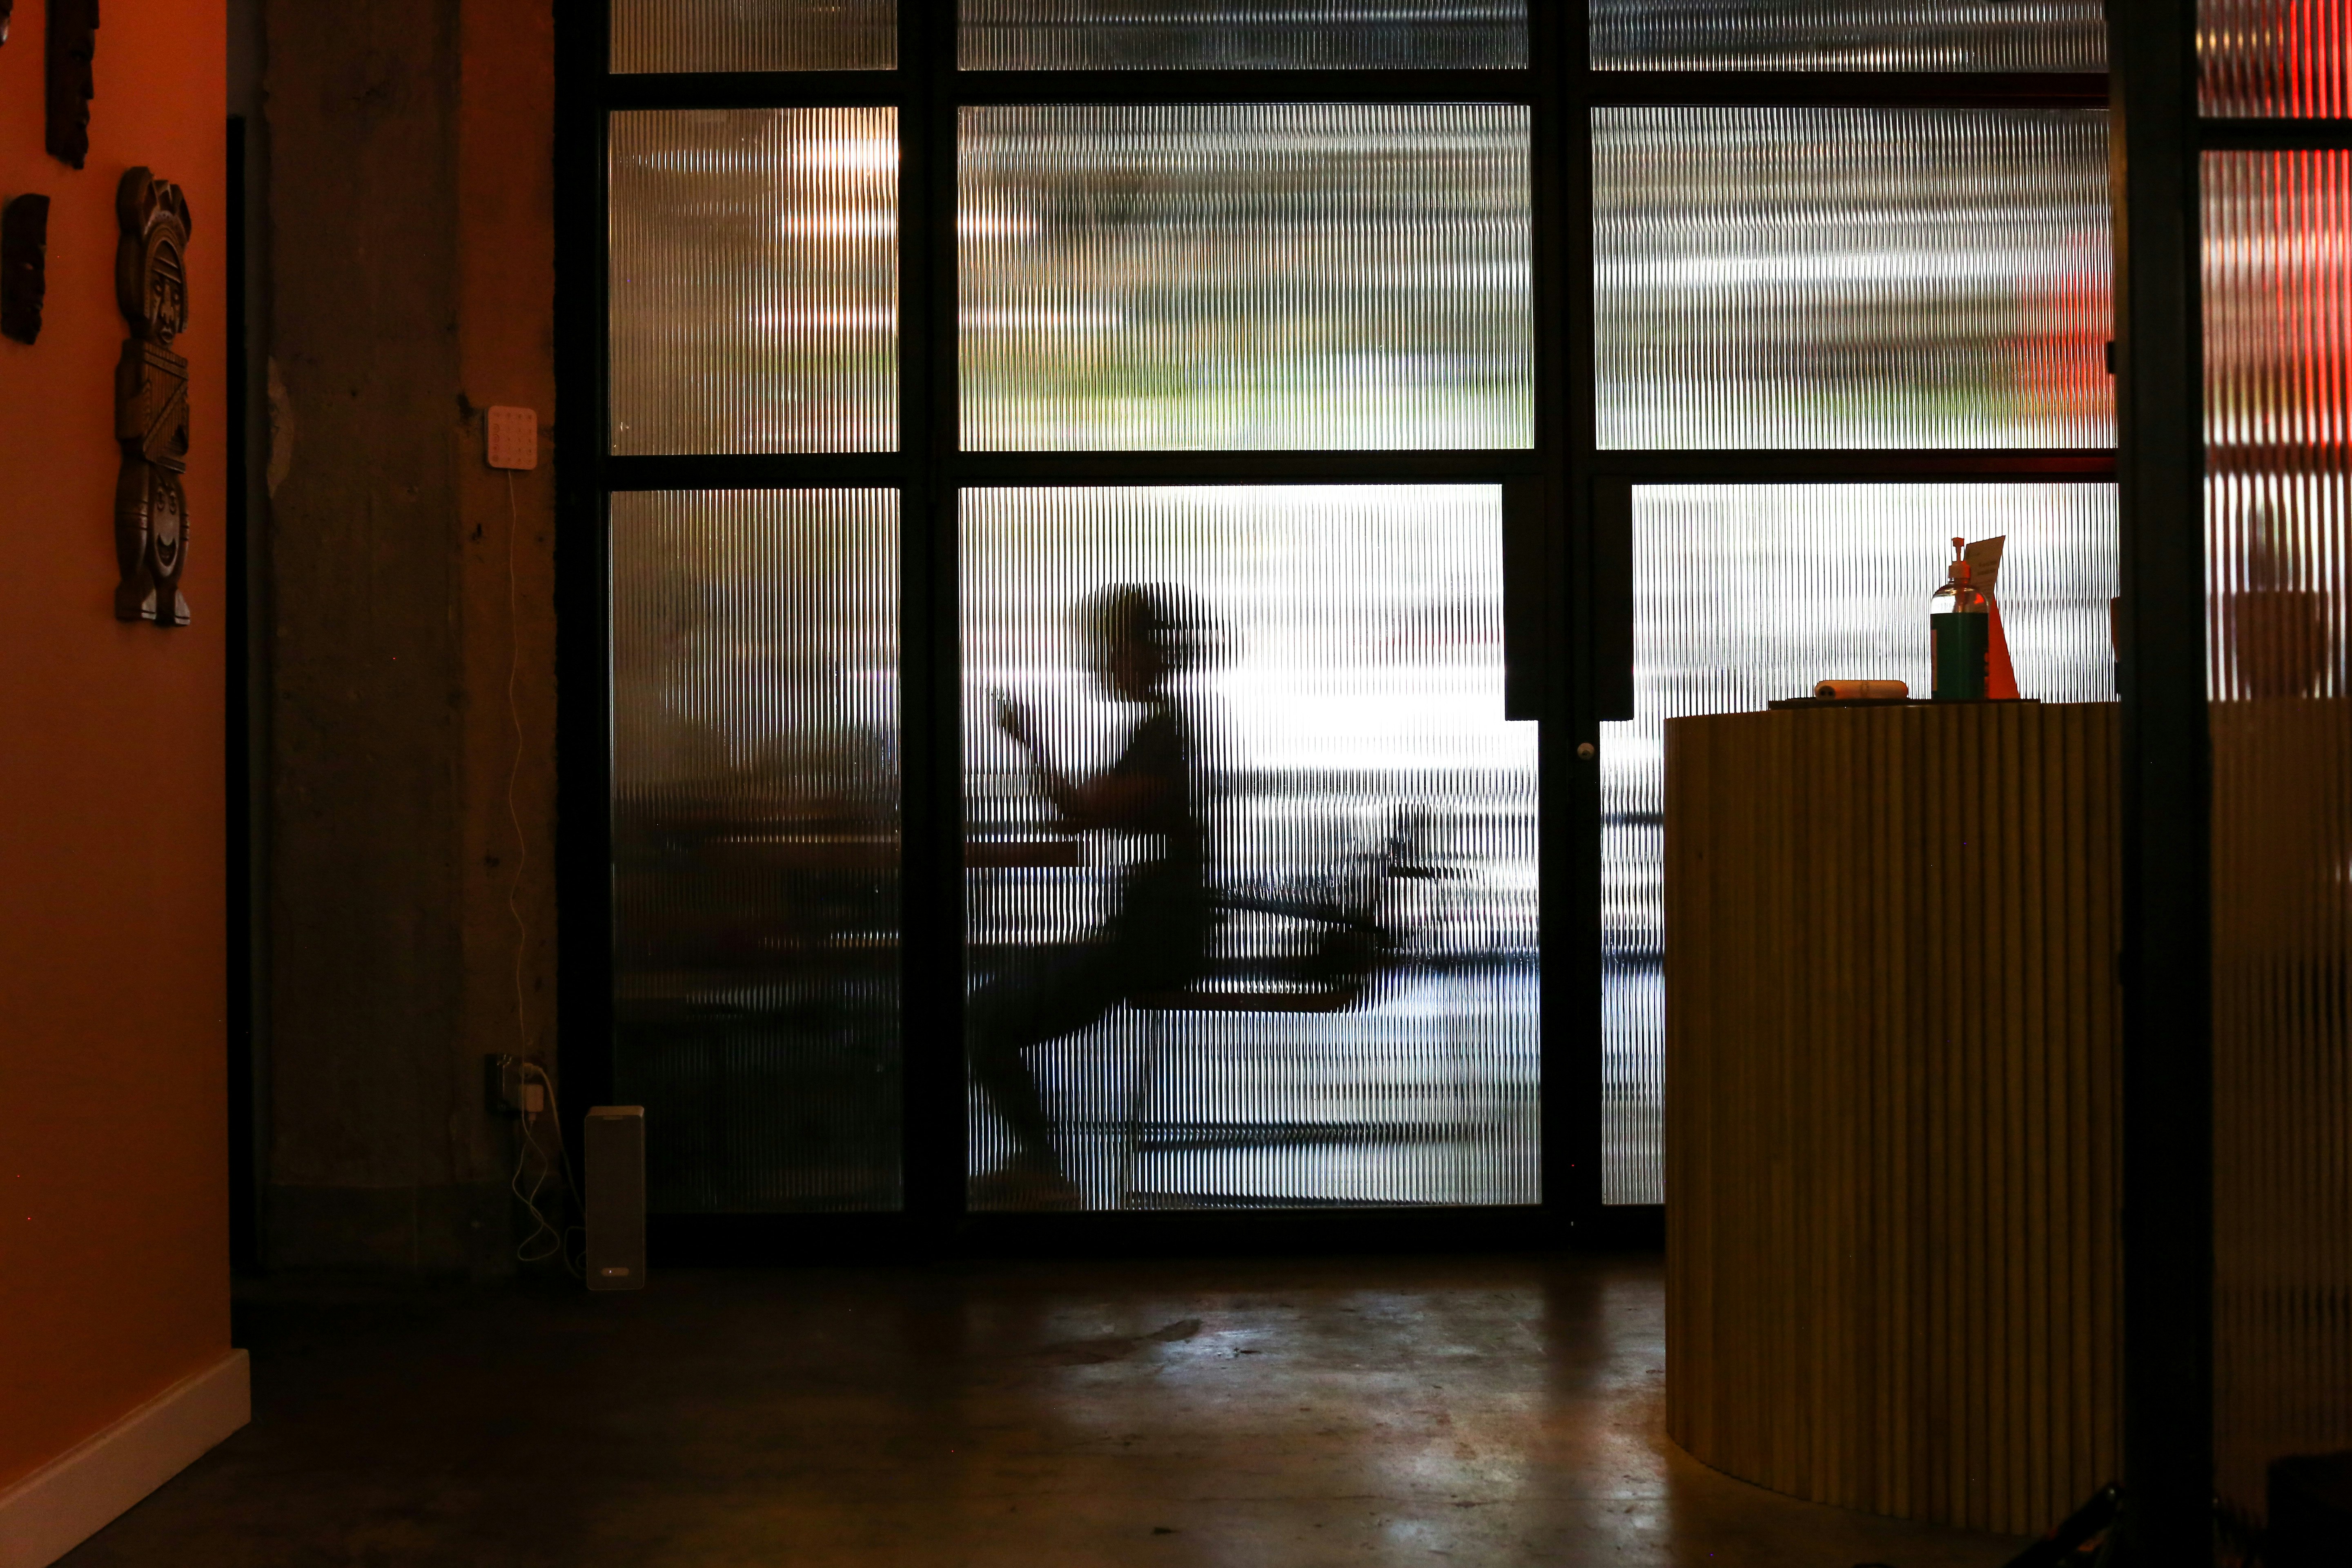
[{"x": 1891, "y": 1156}]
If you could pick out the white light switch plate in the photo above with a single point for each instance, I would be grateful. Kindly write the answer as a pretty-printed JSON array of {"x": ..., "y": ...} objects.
[{"x": 514, "y": 437}]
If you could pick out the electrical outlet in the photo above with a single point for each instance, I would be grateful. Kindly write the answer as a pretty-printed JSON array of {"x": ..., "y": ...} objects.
[{"x": 502, "y": 1084}]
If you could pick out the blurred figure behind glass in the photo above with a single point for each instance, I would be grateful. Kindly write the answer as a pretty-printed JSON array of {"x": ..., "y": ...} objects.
[{"x": 1163, "y": 793}]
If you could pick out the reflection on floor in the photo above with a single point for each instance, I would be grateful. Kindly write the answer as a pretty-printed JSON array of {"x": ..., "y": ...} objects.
[{"x": 1267, "y": 1414}]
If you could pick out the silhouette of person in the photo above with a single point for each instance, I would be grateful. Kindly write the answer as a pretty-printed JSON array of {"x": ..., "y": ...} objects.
[{"x": 1161, "y": 793}]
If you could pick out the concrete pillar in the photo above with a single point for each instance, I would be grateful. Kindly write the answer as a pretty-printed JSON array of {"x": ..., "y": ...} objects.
[{"x": 411, "y": 281}]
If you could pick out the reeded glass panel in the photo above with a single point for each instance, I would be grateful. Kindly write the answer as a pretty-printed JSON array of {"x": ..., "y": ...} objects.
[
  {"x": 2287, "y": 59},
  {"x": 754, "y": 35},
  {"x": 2278, "y": 366},
  {"x": 1745, "y": 594},
  {"x": 754, "y": 280},
  {"x": 1246, "y": 276},
  {"x": 1252, "y": 888},
  {"x": 1846, "y": 278},
  {"x": 1849, "y": 35},
  {"x": 755, "y": 844},
  {"x": 1243, "y": 35}
]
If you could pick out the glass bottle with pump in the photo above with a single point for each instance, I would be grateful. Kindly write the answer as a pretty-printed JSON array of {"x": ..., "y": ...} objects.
[{"x": 1959, "y": 633}]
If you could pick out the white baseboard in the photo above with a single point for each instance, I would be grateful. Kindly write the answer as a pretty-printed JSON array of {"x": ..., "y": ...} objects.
[{"x": 85, "y": 1488}]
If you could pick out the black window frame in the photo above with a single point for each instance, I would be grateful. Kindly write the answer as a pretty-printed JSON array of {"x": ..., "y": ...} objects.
[{"x": 1567, "y": 556}]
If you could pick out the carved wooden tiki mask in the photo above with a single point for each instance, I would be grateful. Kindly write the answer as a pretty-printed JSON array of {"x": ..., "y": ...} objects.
[
  {"x": 23, "y": 266},
  {"x": 150, "y": 401},
  {"x": 73, "y": 81}
]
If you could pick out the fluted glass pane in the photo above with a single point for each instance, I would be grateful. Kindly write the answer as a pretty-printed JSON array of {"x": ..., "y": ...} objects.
[
  {"x": 1744, "y": 594},
  {"x": 754, "y": 280},
  {"x": 2287, "y": 59},
  {"x": 1841, "y": 278},
  {"x": 2278, "y": 368},
  {"x": 1843, "y": 35},
  {"x": 1243, "y": 35},
  {"x": 755, "y": 844},
  {"x": 1261, "y": 933},
  {"x": 1246, "y": 276},
  {"x": 754, "y": 35}
]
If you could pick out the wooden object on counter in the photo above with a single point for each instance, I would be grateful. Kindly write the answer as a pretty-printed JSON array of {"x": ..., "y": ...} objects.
[{"x": 1891, "y": 1145}]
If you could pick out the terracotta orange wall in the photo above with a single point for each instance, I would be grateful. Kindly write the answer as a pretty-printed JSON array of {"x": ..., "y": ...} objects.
[{"x": 113, "y": 1143}]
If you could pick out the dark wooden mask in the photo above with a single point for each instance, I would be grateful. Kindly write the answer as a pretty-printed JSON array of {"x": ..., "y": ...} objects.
[
  {"x": 151, "y": 270},
  {"x": 72, "y": 78},
  {"x": 23, "y": 266}
]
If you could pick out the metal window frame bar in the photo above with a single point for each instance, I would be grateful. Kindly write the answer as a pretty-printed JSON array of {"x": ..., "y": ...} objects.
[
  {"x": 2166, "y": 1362},
  {"x": 887, "y": 471},
  {"x": 826, "y": 471},
  {"x": 1568, "y": 1091},
  {"x": 1575, "y": 1110},
  {"x": 930, "y": 1032},
  {"x": 1891, "y": 89},
  {"x": 796, "y": 471},
  {"x": 2090, "y": 464},
  {"x": 2274, "y": 135},
  {"x": 1592, "y": 88},
  {"x": 586, "y": 1013},
  {"x": 1549, "y": 488}
]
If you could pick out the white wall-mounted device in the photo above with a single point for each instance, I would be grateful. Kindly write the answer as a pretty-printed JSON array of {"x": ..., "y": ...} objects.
[{"x": 512, "y": 434}]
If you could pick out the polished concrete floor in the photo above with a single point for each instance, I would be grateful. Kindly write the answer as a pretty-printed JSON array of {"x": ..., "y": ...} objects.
[{"x": 1498, "y": 1411}]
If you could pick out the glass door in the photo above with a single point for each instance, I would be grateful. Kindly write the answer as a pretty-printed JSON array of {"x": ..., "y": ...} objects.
[
  {"x": 1079, "y": 553},
  {"x": 1315, "y": 984}
]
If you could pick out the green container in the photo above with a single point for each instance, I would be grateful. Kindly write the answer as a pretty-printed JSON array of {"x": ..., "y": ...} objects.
[{"x": 1960, "y": 639}]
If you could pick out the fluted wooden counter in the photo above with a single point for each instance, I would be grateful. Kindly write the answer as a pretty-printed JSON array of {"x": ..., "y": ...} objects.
[{"x": 1892, "y": 1159}]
